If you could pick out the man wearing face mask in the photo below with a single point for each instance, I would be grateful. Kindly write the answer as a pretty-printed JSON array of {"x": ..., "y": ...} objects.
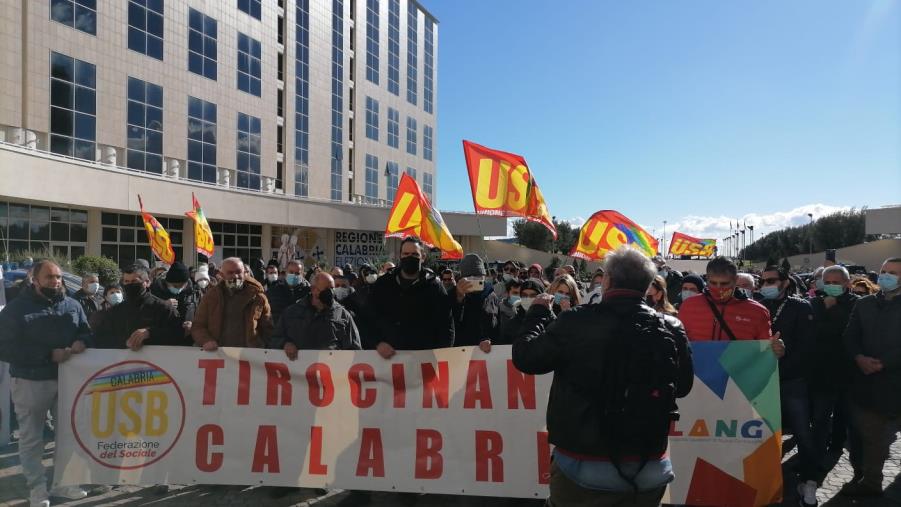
[
  {"x": 411, "y": 308},
  {"x": 39, "y": 330},
  {"x": 747, "y": 285},
  {"x": 507, "y": 307},
  {"x": 112, "y": 296},
  {"x": 287, "y": 291},
  {"x": 176, "y": 289},
  {"x": 343, "y": 287},
  {"x": 317, "y": 322},
  {"x": 360, "y": 305},
  {"x": 271, "y": 275},
  {"x": 510, "y": 328},
  {"x": 873, "y": 341},
  {"x": 448, "y": 281},
  {"x": 473, "y": 321},
  {"x": 792, "y": 321},
  {"x": 234, "y": 313},
  {"x": 141, "y": 317},
  {"x": 89, "y": 296},
  {"x": 692, "y": 285}
]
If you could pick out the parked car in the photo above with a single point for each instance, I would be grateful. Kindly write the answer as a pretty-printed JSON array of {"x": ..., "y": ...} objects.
[{"x": 71, "y": 281}]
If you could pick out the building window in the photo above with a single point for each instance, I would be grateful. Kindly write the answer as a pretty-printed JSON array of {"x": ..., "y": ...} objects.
[
  {"x": 145, "y": 126},
  {"x": 202, "y": 34},
  {"x": 251, "y": 7},
  {"x": 411, "y": 172},
  {"x": 412, "y": 50},
  {"x": 78, "y": 14},
  {"x": 145, "y": 27},
  {"x": 372, "y": 179},
  {"x": 302, "y": 100},
  {"x": 337, "y": 98},
  {"x": 428, "y": 68},
  {"x": 372, "y": 118},
  {"x": 394, "y": 46},
  {"x": 124, "y": 239},
  {"x": 238, "y": 240},
  {"x": 393, "y": 128},
  {"x": 23, "y": 227},
  {"x": 201, "y": 140},
  {"x": 248, "y": 167},
  {"x": 73, "y": 120},
  {"x": 427, "y": 142},
  {"x": 427, "y": 186},
  {"x": 411, "y": 135},
  {"x": 392, "y": 176},
  {"x": 372, "y": 41},
  {"x": 249, "y": 64}
]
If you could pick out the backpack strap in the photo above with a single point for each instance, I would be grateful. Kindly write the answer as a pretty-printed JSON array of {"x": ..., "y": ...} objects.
[{"x": 719, "y": 318}]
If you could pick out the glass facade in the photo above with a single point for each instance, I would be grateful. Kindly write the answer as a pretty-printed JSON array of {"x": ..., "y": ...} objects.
[
  {"x": 393, "y": 128},
  {"x": 372, "y": 179},
  {"x": 201, "y": 140},
  {"x": 394, "y": 46},
  {"x": 202, "y": 35},
  {"x": 249, "y": 65},
  {"x": 372, "y": 118},
  {"x": 412, "y": 51},
  {"x": 372, "y": 41},
  {"x": 78, "y": 14},
  {"x": 145, "y": 27},
  {"x": 411, "y": 135},
  {"x": 411, "y": 172},
  {"x": 73, "y": 105},
  {"x": 25, "y": 227},
  {"x": 337, "y": 154},
  {"x": 238, "y": 240},
  {"x": 428, "y": 67},
  {"x": 427, "y": 186},
  {"x": 248, "y": 167},
  {"x": 124, "y": 238},
  {"x": 427, "y": 142},
  {"x": 145, "y": 126},
  {"x": 302, "y": 100},
  {"x": 393, "y": 178},
  {"x": 251, "y": 7}
]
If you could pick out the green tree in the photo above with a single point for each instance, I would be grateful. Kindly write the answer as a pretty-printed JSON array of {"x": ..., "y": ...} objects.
[
  {"x": 837, "y": 230},
  {"x": 532, "y": 235},
  {"x": 106, "y": 268}
]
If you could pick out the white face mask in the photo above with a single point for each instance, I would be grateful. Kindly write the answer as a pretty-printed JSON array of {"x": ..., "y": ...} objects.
[
  {"x": 114, "y": 298},
  {"x": 93, "y": 288},
  {"x": 234, "y": 284},
  {"x": 525, "y": 303},
  {"x": 203, "y": 283},
  {"x": 371, "y": 278},
  {"x": 341, "y": 292},
  {"x": 272, "y": 277}
]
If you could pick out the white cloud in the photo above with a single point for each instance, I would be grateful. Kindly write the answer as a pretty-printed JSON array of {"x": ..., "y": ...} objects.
[{"x": 718, "y": 227}]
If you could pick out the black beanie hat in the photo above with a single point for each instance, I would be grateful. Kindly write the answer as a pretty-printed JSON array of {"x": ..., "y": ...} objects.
[
  {"x": 695, "y": 279},
  {"x": 532, "y": 284},
  {"x": 178, "y": 273}
]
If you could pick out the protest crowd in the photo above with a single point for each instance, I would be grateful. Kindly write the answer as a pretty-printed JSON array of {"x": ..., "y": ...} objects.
[{"x": 837, "y": 339}]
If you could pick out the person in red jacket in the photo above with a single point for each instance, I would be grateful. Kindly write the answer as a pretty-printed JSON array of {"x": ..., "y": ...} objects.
[{"x": 721, "y": 313}]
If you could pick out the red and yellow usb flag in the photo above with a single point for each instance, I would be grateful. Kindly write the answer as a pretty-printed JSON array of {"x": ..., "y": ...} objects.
[
  {"x": 683, "y": 244},
  {"x": 502, "y": 185},
  {"x": 608, "y": 230},
  {"x": 203, "y": 235},
  {"x": 157, "y": 236},
  {"x": 412, "y": 215}
]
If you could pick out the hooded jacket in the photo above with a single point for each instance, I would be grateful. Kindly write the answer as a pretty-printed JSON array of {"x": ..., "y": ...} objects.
[
  {"x": 210, "y": 316},
  {"x": 874, "y": 330},
  {"x": 415, "y": 316}
]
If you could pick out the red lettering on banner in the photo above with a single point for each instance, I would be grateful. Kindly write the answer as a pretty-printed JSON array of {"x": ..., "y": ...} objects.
[
  {"x": 520, "y": 386},
  {"x": 673, "y": 432},
  {"x": 489, "y": 446},
  {"x": 210, "y": 374},
  {"x": 400, "y": 385},
  {"x": 367, "y": 399},
  {"x": 477, "y": 388},
  {"x": 544, "y": 458},
  {"x": 243, "y": 382},
  {"x": 435, "y": 384},
  {"x": 265, "y": 453},
  {"x": 278, "y": 381},
  {"x": 371, "y": 456},
  {"x": 207, "y": 435},
  {"x": 316, "y": 466},
  {"x": 320, "y": 385},
  {"x": 429, "y": 463}
]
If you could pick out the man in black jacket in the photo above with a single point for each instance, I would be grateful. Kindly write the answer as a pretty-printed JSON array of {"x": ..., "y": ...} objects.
[
  {"x": 284, "y": 293},
  {"x": 360, "y": 304},
  {"x": 873, "y": 340},
  {"x": 412, "y": 310},
  {"x": 89, "y": 296},
  {"x": 829, "y": 379},
  {"x": 583, "y": 347},
  {"x": 142, "y": 317},
  {"x": 472, "y": 322},
  {"x": 791, "y": 320},
  {"x": 177, "y": 290},
  {"x": 317, "y": 322}
]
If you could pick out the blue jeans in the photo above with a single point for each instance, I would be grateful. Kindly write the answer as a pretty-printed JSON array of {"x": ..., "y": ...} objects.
[
  {"x": 796, "y": 417},
  {"x": 603, "y": 476}
]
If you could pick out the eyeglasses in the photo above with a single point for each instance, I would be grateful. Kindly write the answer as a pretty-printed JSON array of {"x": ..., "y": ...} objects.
[{"x": 770, "y": 281}]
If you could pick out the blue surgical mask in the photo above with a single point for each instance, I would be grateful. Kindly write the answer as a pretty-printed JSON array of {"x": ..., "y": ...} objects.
[
  {"x": 685, "y": 294},
  {"x": 558, "y": 298},
  {"x": 176, "y": 290},
  {"x": 770, "y": 291},
  {"x": 292, "y": 279},
  {"x": 114, "y": 298},
  {"x": 513, "y": 299},
  {"x": 887, "y": 282}
]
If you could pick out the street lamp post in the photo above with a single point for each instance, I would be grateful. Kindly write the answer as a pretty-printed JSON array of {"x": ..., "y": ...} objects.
[
  {"x": 810, "y": 237},
  {"x": 664, "y": 239}
]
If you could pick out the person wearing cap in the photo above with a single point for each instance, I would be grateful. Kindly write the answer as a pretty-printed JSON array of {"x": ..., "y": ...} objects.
[
  {"x": 202, "y": 280},
  {"x": 537, "y": 272},
  {"x": 672, "y": 277},
  {"x": 474, "y": 321},
  {"x": 177, "y": 290},
  {"x": 692, "y": 285},
  {"x": 141, "y": 319},
  {"x": 288, "y": 290},
  {"x": 360, "y": 305},
  {"x": 510, "y": 328}
]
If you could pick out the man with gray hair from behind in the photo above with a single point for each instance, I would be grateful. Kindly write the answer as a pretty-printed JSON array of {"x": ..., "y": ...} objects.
[{"x": 618, "y": 367}]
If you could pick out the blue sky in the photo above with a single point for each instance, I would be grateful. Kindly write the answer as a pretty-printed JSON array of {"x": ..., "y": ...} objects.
[{"x": 697, "y": 112}]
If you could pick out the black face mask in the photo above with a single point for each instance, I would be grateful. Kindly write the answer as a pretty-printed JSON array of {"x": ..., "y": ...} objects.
[
  {"x": 327, "y": 297},
  {"x": 650, "y": 301},
  {"x": 410, "y": 265},
  {"x": 52, "y": 294},
  {"x": 133, "y": 291}
]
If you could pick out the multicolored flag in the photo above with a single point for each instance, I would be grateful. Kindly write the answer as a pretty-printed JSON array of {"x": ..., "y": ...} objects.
[
  {"x": 412, "y": 215},
  {"x": 502, "y": 185},
  {"x": 607, "y": 230},
  {"x": 683, "y": 244},
  {"x": 157, "y": 236},
  {"x": 203, "y": 235}
]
